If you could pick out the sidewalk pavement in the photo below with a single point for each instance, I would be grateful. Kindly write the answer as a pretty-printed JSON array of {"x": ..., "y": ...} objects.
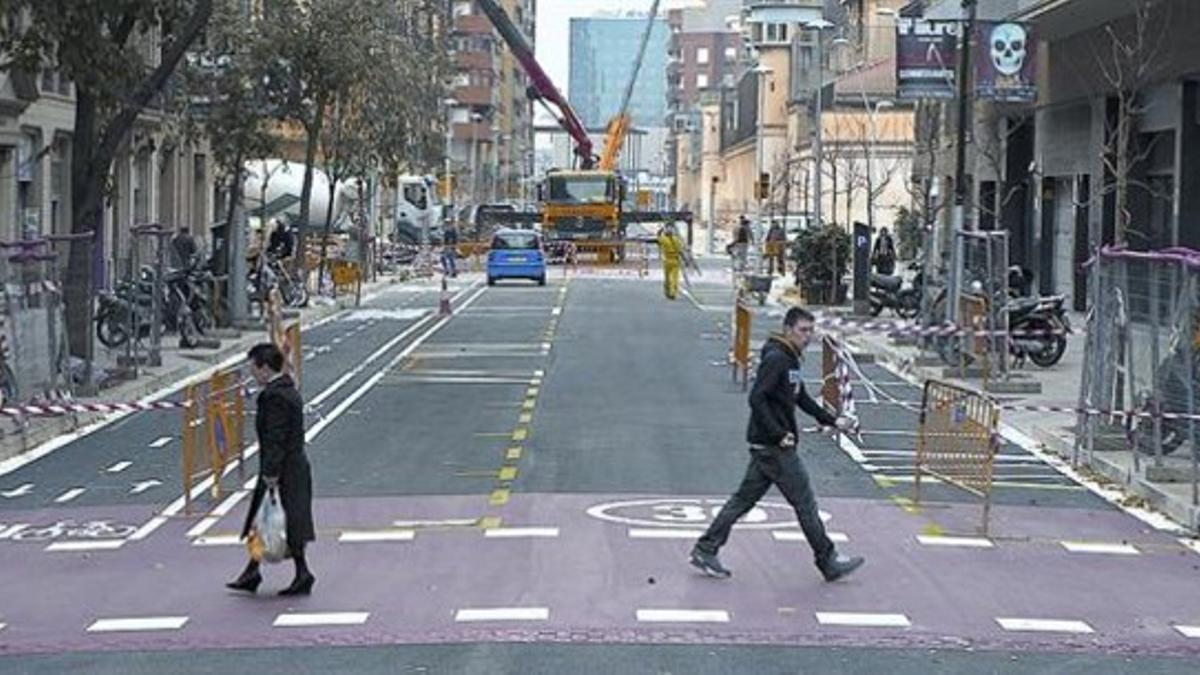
[
  {"x": 1053, "y": 432},
  {"x": 177, "y": 365}
]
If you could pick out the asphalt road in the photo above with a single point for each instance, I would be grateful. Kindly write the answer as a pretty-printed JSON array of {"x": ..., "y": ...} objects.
[{"x": 515, "y": 488}]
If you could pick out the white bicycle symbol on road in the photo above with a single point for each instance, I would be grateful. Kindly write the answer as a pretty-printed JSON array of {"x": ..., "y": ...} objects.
[{"x": 70, "y": 529}]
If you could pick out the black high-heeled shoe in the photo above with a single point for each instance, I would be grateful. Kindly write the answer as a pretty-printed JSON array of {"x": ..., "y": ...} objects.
[
  {"x": 246, "y": 582},
  {"x": 300, "y": 586}
]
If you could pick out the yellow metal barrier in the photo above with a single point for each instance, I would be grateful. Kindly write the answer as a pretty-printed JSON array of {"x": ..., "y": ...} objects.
[
  {"x": 346, "y": 276},
  {"x": 957, "y": 441},
  {"x": 740, "y": 353},
  {"x": 973, "y": 316},
  {"x": 213, "y": 432}
]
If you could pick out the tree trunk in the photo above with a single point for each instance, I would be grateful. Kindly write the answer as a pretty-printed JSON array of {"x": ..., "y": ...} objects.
[
  {"x": 310, "y": 159},
  {"x": 325, "y": 238},
  {"x": 86, "y": 215}
]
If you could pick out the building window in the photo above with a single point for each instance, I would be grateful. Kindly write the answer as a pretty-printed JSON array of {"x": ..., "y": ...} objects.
[
  {"x": 777, "y": 32},
  {"x": 701, "y": 81},
  {"x": 730, "y": 54},
  {"x": 702, "y": 55}
]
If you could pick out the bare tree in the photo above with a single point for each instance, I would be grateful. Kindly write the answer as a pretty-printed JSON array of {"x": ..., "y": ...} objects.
[{"x": 1128, "y": 59}]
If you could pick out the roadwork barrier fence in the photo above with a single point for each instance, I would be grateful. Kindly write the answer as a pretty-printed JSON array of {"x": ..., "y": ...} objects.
[
  {"x": 739, "y": 351},
  {"x": 957, "y": 441},
  {"x": 1142, "y": 367},
  {"x": 212, "y": 432}
]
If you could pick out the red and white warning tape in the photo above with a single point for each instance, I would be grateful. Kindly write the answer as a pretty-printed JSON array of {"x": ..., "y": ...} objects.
[
  {"x": 66, "y": 407},
  {"x": 942, "y": 330}
]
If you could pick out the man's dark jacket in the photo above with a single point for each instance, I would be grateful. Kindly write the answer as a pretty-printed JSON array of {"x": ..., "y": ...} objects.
[{"x": 777, "y": 390}]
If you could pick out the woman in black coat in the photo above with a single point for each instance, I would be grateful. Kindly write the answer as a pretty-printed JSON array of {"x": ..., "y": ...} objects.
[{"x": 282, "y": 464}]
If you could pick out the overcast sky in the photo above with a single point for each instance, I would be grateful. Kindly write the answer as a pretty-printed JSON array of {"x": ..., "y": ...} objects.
[{"x": 553, "y": 39}]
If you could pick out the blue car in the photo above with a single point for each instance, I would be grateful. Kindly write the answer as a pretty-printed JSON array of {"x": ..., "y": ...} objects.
[{"x": 516, "y": 254}]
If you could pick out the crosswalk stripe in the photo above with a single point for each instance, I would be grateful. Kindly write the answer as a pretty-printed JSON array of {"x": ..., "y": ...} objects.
[
  {"x": 1098, "y": 547},
  {"x": 138, "y": 624},
  {"x": 503, "y": 614},
  {"x": 101, "y": 545},
  {"x": 863, "y": 619},
  {"x": 682, "y": 616},
  {"x": 1044, "y": 625},
  {"x": 303, "y": 619}
]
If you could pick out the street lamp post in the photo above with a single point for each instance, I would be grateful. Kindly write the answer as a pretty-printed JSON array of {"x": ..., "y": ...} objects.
[
  {"x": 820, "y": 25},
  {"x": 476, "y": 118},
  {"x": 449, "y": 175},
  {"x": 960, "y": 160},
  {"x": 764, "y": 72},
  {"x": 874, "y": 140}
]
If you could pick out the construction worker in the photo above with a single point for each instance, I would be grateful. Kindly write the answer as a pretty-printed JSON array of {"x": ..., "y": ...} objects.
[{"x": 672, "y": 250}]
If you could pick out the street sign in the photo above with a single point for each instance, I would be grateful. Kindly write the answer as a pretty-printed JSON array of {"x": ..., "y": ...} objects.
[
  {"x": 926, "y": 57},
  {"x": 1005, "y": 62}
]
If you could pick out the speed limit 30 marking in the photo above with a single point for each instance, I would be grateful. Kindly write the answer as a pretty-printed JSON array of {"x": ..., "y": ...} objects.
[{"x": 692, "y": 513}]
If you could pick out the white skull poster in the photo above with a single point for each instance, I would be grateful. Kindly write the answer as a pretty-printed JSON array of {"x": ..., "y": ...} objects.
[{"x": 1005, "y": 62}]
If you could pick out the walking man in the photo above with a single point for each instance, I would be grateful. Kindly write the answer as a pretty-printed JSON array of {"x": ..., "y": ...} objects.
[
  {"x": 450, "y": 250},
  {"x": 282, "y": 466},
  {"x": 776, "y": 248},
  {"x": 740, "y": 248},
  {"x": 672, "y": 250},
  {"x": 884, "y": 254},
  {"x": 772, "y": 435}
]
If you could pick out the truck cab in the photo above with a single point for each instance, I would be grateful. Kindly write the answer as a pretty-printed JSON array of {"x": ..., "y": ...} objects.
[{"x": 419, "y": 209}]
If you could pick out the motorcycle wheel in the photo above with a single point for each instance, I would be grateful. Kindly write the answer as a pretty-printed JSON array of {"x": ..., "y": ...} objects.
[
  {"x": 876, "y": 308},
  {"x": 187, "y": 331},
  {"x": 295, "y": 295},
  {"x": 909, "y": 307},
  {"x": 1053, "y": 348},
  {"x": 110, "y": 330}
]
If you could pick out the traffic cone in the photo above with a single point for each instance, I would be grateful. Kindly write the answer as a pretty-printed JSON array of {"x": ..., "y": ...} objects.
[{"x": 444, "y": 308}]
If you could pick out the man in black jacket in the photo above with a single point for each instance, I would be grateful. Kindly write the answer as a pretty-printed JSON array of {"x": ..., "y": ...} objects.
[{"x": 772, "y": 434}]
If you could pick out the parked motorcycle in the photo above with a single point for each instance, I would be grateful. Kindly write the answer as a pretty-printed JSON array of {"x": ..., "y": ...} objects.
[
  {"x": 1038, "y": 327},
  {"x": 889, "y": 292}
]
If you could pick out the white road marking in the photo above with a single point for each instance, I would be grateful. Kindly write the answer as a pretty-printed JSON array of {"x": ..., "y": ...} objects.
[
  {"x": 142, "y": 486},
  {"x": 231, "y": 501},
  {"x": 683, "y": 616},
  {"x": 298, "y": 619},
  {"x": 863, "y": 619},
  {"x": 1193, "y": 544},
  {"x": 503, "y": 614},
  {"x": 518, "y": 532},
  {"x": 351, "y": 536},
  {"x": 3, "y": 626},
  {"x": 1185, "y": 631},
  {"x": 653, "y": 533},
  {"x": 1045, "y": 625},
  {"x": 142, "y": 624},
  {"x": 12, "y": 529},
  {"x": 796, "y": 535},
  {"x": 556, "y": 311},
  {"x": 150, "y": 526},
  {"x": 177, "y": 505},
  {"x": 119, "y": 467},
  {"x": 218, "y": 540},
  {"x": 201, "y": 527},
  {"x": 19, "y": 491},
  {"x": 1094, "y": 547},
  {"x": 419, "y": 379},
  {"x": 964, "y": 542},
  {"x": 100, "y": 545},
  {"x": 450, "y": 522},
  {"x": 69, "y": 495},
  {"x": 374, "y": 380},
  {"x": 162, "y": 442}
]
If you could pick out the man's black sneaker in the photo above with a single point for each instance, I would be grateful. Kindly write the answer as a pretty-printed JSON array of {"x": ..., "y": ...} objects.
[
  {"x": 708, "y": 563},
  {"x": 839, "y": 566}
]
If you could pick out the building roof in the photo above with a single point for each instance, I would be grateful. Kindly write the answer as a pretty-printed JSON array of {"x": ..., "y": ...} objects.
[{"x": 876, "y": 79}]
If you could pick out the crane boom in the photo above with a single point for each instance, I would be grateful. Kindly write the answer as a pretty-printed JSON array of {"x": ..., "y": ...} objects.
[
  {"x": 542, "y": 85},
  {"x": 618, "y": 127}
]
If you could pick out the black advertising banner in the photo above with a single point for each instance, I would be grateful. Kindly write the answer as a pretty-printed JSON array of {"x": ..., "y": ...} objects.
[
  {"x": 926, "y": 58},
  {"x": 1005, "y": 63}
]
